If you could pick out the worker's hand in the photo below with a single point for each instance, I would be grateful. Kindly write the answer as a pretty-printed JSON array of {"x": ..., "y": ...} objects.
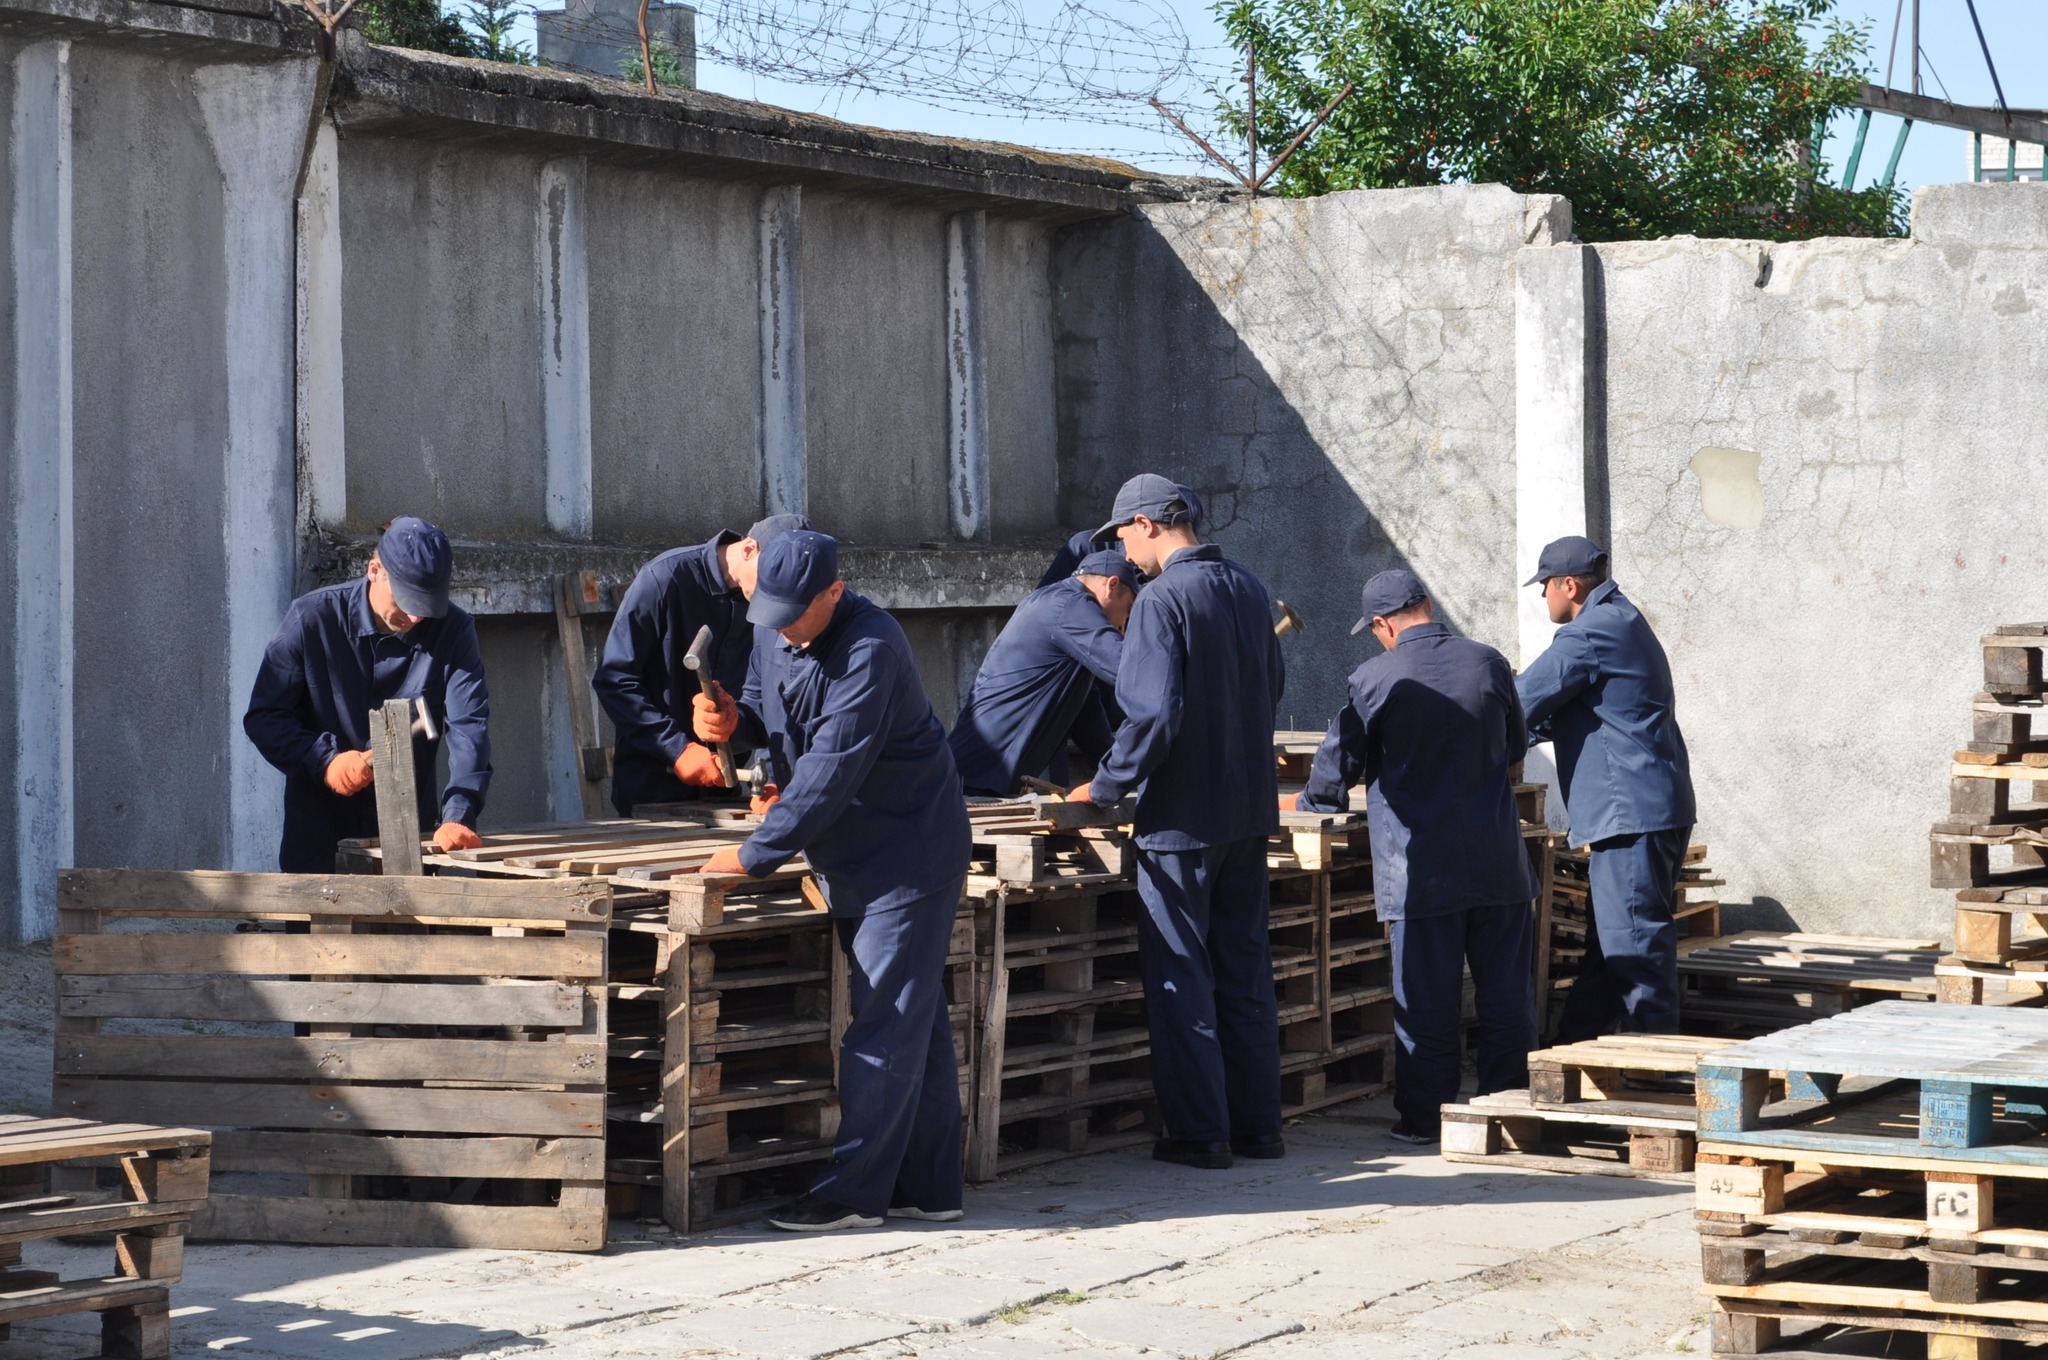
[
  {"x": 698, "y": 767},
  {"x": 455, "y": 836},
  {"x": 350, "y": 772},
  {"x": 767, "y": 798},
  {"x": 1290, "y": 802},
  {"x": 1080, "y": 793},
  {"x": 714, "y": 719},
  {"x": 726, "y": 861}
]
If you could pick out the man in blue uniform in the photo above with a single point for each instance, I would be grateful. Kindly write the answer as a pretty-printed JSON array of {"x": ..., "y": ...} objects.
[
  {"x": 339, "y": 654},
  {"x": 1068, "y": 558},
  {"x": 1432, "y": 727},
  {"x": 641, "y": 681},
  {"x": 1039, "y": 682},
  {"x": 1200, "y": 676},
  {"x": 873, "y": 803},
  {"x": 1603, "y": 694}
]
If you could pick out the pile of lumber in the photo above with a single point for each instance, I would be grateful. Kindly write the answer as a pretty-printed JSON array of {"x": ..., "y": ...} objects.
[
  {"x": 1880, "y": 1176},
  {"x": 1561, "y": 937}
]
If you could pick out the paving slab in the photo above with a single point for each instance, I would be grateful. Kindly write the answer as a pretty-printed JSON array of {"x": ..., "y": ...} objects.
[
  {"x": 1196, "y": 1332},
  {"x": 760, "y": 1332},
  {"x": 1064, "y": 1261},
  {"x": 921, "y": 1296},
  {"x": 667, "y": 1275}
]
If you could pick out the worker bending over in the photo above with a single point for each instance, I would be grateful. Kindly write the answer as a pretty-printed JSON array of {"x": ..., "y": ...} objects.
[
  {"x": 1040, "y": 681},
  {"x": 1200, "y": 676},
  {"x": 641, "y": 681},
  {"x": 1432, "y": 728},
  {"x": 339, "y": 654},
  {"x": 873, "y": 803},
  {"x": 1603, "y": 693}
]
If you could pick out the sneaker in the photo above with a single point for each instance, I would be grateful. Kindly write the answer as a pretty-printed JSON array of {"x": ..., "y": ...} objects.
[
  {"x": 1402, "y": 1134},
  {"x": 926, "y": 1215},
  {"x": 810, "y": 1213},
  {"x": 1266, "y": 1147},
  {"x": 1189, "y": 1152}
]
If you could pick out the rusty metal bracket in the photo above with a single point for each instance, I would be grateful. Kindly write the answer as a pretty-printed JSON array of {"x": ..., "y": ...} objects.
[{"x": 1253, "y": 186}]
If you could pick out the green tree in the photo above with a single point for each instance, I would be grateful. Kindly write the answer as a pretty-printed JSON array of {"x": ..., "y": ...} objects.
[
  {"x": 1655, "y": 117},
  {"x": 418, "y": 24},
  {"x": 668, "y": 66},
  {"x": 490, "y": 30}
]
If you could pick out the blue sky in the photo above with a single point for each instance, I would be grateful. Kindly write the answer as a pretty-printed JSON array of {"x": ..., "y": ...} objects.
[{"x": 1932, "y": 155}]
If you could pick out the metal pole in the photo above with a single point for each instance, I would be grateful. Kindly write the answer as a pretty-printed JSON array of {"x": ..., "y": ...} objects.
[
  {"x": 1251, "y": 122},
  {"x": 1916, "y": 46},
  {"x": 1892, "y": 166},
  {"x": 1976, "y": 158},
  {"x": 1856, "y": 151},
  {"x": 2012, "y": 159}
]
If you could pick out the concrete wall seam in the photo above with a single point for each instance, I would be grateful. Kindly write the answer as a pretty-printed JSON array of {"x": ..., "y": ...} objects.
[
  {"x": 967, "y": 447},
  {"x": 244, "y": 108},
  {"x": 44, "y": 619},
  {"x": 563, "y": 280},
  {"x": 784, "y": 442},
  {"x": 1551, "y": 326},
  {"x": 322, "y": 410}
]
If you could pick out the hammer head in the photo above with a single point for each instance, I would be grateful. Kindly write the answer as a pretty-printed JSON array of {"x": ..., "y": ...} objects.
[
  {"x": 698, "y": 658},
  {"x": 1290, "y": 622}
]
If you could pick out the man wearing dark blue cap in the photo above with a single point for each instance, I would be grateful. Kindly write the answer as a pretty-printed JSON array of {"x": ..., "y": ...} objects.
[
  {"x": 1040, "y": 681},
  {"x": 641, "y": 681},
  {"x": 1068, "y": 558},
  {"x": 339, "y": 654},
  {"x": 1603, "y": 694},
  {"x": 1432, "y": 728},
  {"x": 873, "y": 802},
  {"x": 1200, "y": 676}
]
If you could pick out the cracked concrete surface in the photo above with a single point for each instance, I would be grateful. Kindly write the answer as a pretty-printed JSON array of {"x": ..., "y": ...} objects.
[{"x": 1353, "y": 1245}]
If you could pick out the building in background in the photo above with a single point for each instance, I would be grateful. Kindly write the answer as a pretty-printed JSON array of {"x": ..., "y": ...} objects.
[
  {"x": 1992, "y": 157},
  {"x": 602, "y": 38}
]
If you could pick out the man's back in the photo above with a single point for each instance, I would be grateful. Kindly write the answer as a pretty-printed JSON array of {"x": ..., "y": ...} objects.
[
  {"x": 1034, "y": 682},
  {"x": 1200, "y": 678}
]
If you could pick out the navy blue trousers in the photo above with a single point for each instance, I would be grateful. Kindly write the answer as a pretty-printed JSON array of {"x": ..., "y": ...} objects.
[
  {"x": 1208, "y": 970},
  {"x": 899, "y": 1087},
  {"x": 1630, "y": 972},
  {"x": 1430, "y": 956}
]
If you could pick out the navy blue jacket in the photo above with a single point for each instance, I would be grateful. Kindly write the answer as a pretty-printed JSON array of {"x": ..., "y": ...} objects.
[
  {"x": 1068, "y": 558},
  {"x": 1431, "y": 729},
  {"x": 869, "y": 792},
  {"x": 1200, "y": 677},
  {"x": 323, "y": 673},
  {"x": 641, "y": 681},
  {"x": 1034, "y": 687},
  {"x": 1603, "y": 694}
]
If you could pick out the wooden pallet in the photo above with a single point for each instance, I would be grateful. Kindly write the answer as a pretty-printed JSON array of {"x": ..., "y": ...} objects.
[
  {"x": 1744, "y": 1328},
  {"x": 1619, "y": 1067},
  {"x": 1595, "y": 1137},
  {"x": 1761, "y": 981},
  {"x": 456, "y": 1043},
  {"x": 70, "y": 1177}
]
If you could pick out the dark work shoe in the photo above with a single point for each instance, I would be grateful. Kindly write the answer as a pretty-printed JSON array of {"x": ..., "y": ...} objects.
[
  {"x": 925, "y": 1215},
  {"x": 1401, "y": 1133},
  {"x": 1189, "y": 1152},
  {"x": 810, "y": 1213},
  {"x": 1266, "y": 1147}
]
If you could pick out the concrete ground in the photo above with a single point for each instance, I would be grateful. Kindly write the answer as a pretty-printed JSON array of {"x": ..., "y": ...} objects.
[{"x": 1354, "y": 1245}]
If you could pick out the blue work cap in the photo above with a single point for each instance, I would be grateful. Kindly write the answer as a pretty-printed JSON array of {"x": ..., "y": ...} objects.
[
  {"x": 1568, "y": 556},
  {"x": 1110, "y": 562},
  {"x": 795, "y": 566},
  {"x": 766, "y": 529},
  {"x": 418, "y": 562},
  {"x": 1388, "y": 594},
  {"x": 1187, "y": 493},
  {"x": 1151, "y": 495}
]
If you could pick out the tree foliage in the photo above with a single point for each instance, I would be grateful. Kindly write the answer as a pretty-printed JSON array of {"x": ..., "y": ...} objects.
[
  {"x": 1655, "y": 117},
  {"x": 482, "y": 29},
  {"x": 669, "y": 68}
]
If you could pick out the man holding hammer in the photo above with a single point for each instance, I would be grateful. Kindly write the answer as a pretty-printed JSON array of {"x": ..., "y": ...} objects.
[{"x": 873, "y": 802}]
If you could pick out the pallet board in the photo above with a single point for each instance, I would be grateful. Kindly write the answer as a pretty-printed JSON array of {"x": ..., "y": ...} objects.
[
  {"x": 1612, "y": 1138},
  {"x": 457, "y": 1050}
]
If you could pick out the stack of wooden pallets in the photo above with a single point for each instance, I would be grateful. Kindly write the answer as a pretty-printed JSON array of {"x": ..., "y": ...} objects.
[
  {"x": 70, "y": 1177},
  {"x": 1898, "y": 1190},
  {"x": 1562, "y": 939},
  {"x": 1333, "y": 975},
  {"x": 445, "y": 1086},
  {"x": 1760, "y": 981}
]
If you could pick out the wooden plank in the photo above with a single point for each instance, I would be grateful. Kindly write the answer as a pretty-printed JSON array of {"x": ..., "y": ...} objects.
[
  {"x": 143, "y": 996},
  {"x": 398, "y": 1223},
  {"x": 397, "y": 788},
  {"x": 558, "y": 1061},
  {"x": 79, "y": 1296},
  {"x": 202, "y": 892},
  {"x": 513, "y": 1158},
  {"x": 575, "y": 595},
  {"x": 122, "y": 1216},
  {"x": 578, "y": 956},
  {"x": 66, "y": 1139},
  {"x": 389, "y": 1108}
]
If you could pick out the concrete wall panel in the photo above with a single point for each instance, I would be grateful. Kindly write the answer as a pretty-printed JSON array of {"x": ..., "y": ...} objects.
[
  {"x": 518, "y": 651},
  {"x": 441, "y": 337},
  {"x": 1023, "y": 431},
  {"x": 874, "y": 304},
  {"x": 151, "y": 430},
  {"x": 675, "y": 356}
]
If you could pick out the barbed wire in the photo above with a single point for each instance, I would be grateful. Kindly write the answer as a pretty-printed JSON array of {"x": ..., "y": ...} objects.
[{"x": 1093, "y": 62}]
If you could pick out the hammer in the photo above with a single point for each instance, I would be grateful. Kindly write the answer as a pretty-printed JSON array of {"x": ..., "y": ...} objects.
[
  {"x": 698, "y": 659},
  {"x": 422, "y": 726},
  {"x": 1290, "y": 622}
]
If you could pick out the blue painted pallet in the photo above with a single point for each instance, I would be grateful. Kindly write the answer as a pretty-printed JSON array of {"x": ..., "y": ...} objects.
[{"x": 1981, "y": 1073}]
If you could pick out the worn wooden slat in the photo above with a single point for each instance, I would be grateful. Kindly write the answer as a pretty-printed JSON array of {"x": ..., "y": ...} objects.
[
  {"x": 389, "y": 1108},
  {"x": 361, "y": 1155},
  {"x": 399, "y": 1223},
  {"x": 145, "y": 996},
  {"x": 79, "y": 1296},
  {"x": 122, "y": 1216},
  {"x": 201, "y": 892},
  {"x": 562, "y": 1061},
  {"x": 577, "y": 956},
  {"x": 65, "y": 1139}
]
